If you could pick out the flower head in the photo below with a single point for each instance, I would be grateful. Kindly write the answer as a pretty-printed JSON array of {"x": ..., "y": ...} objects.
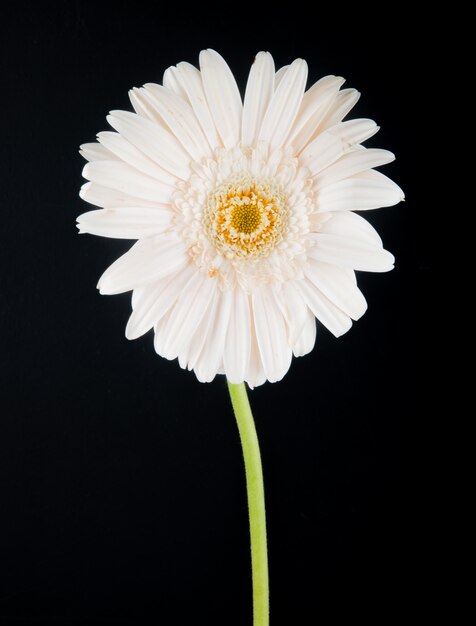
[{"x": 243, "y": 212}]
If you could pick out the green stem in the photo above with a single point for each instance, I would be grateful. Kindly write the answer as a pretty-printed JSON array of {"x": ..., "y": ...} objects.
[{"x": 257, "y": 513}]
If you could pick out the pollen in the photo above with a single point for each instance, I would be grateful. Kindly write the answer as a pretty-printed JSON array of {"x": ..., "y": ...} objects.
[{"x": 246, "y": 217}]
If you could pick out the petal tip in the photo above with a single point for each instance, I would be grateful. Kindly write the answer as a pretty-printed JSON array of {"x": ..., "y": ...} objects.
[
  {"x": 343, "y": 330},
  {"x": 129, "y": 332},
  {"x": 85, "y": 173}
]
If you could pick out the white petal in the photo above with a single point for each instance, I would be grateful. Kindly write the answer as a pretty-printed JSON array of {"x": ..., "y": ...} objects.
[
  {"x": 236, "y": 355},
  {"x": 171, "y": 81},
  {"x": 138, "y": 293},
  {"x": 349, "y": 252},
  {"x": 259, "y": 91},
  {"x": 120, "y": 147},
  {"x": 159, "y": 328},
  {"x": 180, "y": 119},
  {"x": 124, "y": 178},
  {"x": 211, "y": 356},
  {"x": 294, "y": 309},
  {"x": 147, "y": 261},
  {"x": 223, "y": 96},
  {"x": 359, "y": 193},
  {"x": 125, "y": 222},
  {"x": 143, "y": 108},
  {"x": 271, "y": 334},
  {"x": 279, "y": 75},
  {"x": 382, "y": 179},
  {"x": 255, "y": 375},
  {"x": 151, "y": 302},
  {"x": 188, "y": 312},
  {"x": 306, "y": 340},
  {"x": 95, "y": 152},
  {"x": 333, "y": 318},
  {"x": 314, "y": 106},
  {"x": 348, "y": 240},
  {"x": 339, "y": 286},
  {"x": 330, "y": 145},
  {"x": 343, "y": 103},
  {"x": 353, "y": 163},
  {"x": 191, "y": 80},
  {"x": 285, "y": 105},
  {"x": 111, "y": 198},
  {"x": 190, "y": 354},
  {"x": 352, "y": 226},
  {"x": 153, "y": 140}
]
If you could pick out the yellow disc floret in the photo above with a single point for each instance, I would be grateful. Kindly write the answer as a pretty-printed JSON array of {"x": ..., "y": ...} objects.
[{"x": 246, "y": 217}]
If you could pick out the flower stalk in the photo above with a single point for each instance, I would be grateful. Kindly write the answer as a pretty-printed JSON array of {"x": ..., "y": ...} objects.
[{"x": 256, "y": 504}]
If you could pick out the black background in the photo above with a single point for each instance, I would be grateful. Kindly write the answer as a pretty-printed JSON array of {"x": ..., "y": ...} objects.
[{"x": 122, "y": 494}]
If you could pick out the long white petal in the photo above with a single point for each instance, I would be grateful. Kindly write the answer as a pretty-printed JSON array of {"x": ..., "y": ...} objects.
[
  {"x": 343, "y": 103},
  {"x": 171, "y": 81},
  {"x": 359, "y": 193},
  {"x": 125, "y": 222},
  {"x": 153, "y": 140},
  {"x": 294, "y": 309},
  {"x": 259, "y": 91},
  {"x": 353, "y": 163},
  {"x": 352, "y": 226},
  {"x": 279, "y": 75},
  {"x": 159, "y": 331},
  {"x": 255, "y": 375},
  {"x": 236, "y": 355},
  {"x": 223, "y": 96},
  {"x": 125, "y": 151},
  {"x": 180, "y": 119},
  {"x": 111, "y": 198},
  {"x": 284, "y": 105},
  {"x": 211, "y": 356},
  {"x": 138, "y": 293},
  {"x": 143, "y": 108},
  {"x": 306, "y": 340},
  {"x": 333, "y": 318},
  {"x": 314, "y": 106},
  {"x": 348, "y": 252},
  {"x": 151, "y": 302},
  {"x": 191, "y": 353},
  {"x": 330, "y": 145},
  {"x": 338, "y": 285},
  {"x": 122, "y": 177},
  {"x": 96, "y": 152},
  {"x": 147, "y": 261},
  {"x": 378, "y": 177},
  {"x": 190, "y": 307},
  {"x": 191, "y": 80},
  {"x": 271, "y": 334}
]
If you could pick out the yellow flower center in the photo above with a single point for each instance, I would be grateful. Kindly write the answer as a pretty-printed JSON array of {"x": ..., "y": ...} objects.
[{"x": 246, "y": 217}]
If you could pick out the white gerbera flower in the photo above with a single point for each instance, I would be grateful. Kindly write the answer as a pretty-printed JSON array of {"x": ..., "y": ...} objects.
[{"x": 243, "y": 213}]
